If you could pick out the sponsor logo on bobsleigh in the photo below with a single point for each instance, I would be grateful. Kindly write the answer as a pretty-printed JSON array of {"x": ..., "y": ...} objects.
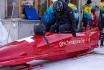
[{"x": 71, "y": 42}]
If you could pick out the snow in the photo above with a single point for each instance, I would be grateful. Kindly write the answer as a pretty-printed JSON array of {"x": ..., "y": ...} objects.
[
  {"x": 87, "y": 62},
  {"x": 99, "y": 50}
]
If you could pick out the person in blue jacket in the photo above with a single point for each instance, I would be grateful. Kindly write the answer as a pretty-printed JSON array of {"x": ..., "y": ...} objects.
[{"x": 48, "y": 18}]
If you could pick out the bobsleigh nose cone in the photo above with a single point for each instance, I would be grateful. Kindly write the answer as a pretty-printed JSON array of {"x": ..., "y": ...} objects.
[{"x": 9, "y": 52}]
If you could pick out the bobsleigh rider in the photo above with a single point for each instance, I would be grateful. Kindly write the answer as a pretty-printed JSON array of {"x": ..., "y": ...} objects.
[{"x": 59, "y": 17}]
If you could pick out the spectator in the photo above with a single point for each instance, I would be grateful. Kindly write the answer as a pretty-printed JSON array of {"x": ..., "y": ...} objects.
[
  {"x": 101, "y": 24},
  {"x": 75, "y": 11},
  {"x": 87, "y": 15}
]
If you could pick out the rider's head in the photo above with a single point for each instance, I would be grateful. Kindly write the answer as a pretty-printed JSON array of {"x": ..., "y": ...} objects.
[
  {"x": 58, "y": 6},
  {"x": 39, "y": 29},
  {"x": 89, "y": 1}
]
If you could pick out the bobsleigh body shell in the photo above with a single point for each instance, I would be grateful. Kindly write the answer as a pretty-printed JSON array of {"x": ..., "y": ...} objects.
[{"x": 36, "y": 48}]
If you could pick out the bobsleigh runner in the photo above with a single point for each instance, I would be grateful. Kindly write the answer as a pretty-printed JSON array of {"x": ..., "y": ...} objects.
[{"x": 53, "y": 46}]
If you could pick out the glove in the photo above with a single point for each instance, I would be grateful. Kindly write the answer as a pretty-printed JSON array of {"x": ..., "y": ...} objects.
[{"x": 74, "y": 34}]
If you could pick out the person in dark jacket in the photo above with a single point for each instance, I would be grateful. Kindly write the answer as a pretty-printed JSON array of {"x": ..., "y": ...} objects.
[
  {"x": 101, "y": 24},
  {"x": 65, "y": 20}
]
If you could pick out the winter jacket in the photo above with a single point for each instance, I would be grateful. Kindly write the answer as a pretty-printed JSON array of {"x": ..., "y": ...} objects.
[
  {"x": 48, "y": 17},
  {"x": 101, "y": 17},
  {"x": 75, "y": 11},
  {"x": 87, "y": 15},
  {"x": 66, "y": 17}
]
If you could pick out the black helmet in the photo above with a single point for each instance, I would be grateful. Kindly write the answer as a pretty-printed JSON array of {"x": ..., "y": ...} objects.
[
  {"x": 39, "y": 29},
  {"x": 89, "y": 1},
  {"x": 58, "y": 6}
]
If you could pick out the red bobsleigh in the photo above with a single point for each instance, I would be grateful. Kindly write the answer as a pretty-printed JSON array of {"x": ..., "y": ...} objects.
[{"x": 50, "y": 47}]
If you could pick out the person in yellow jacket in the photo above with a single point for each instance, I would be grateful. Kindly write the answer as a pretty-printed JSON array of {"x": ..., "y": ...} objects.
[
  {"x": 87, "y": 8},
  {"x": 101, "y": 6},
  {"x": 73, "y": 6},
  {"x": 75, "y": 11},
  {"x": 87, "y": 15}
]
